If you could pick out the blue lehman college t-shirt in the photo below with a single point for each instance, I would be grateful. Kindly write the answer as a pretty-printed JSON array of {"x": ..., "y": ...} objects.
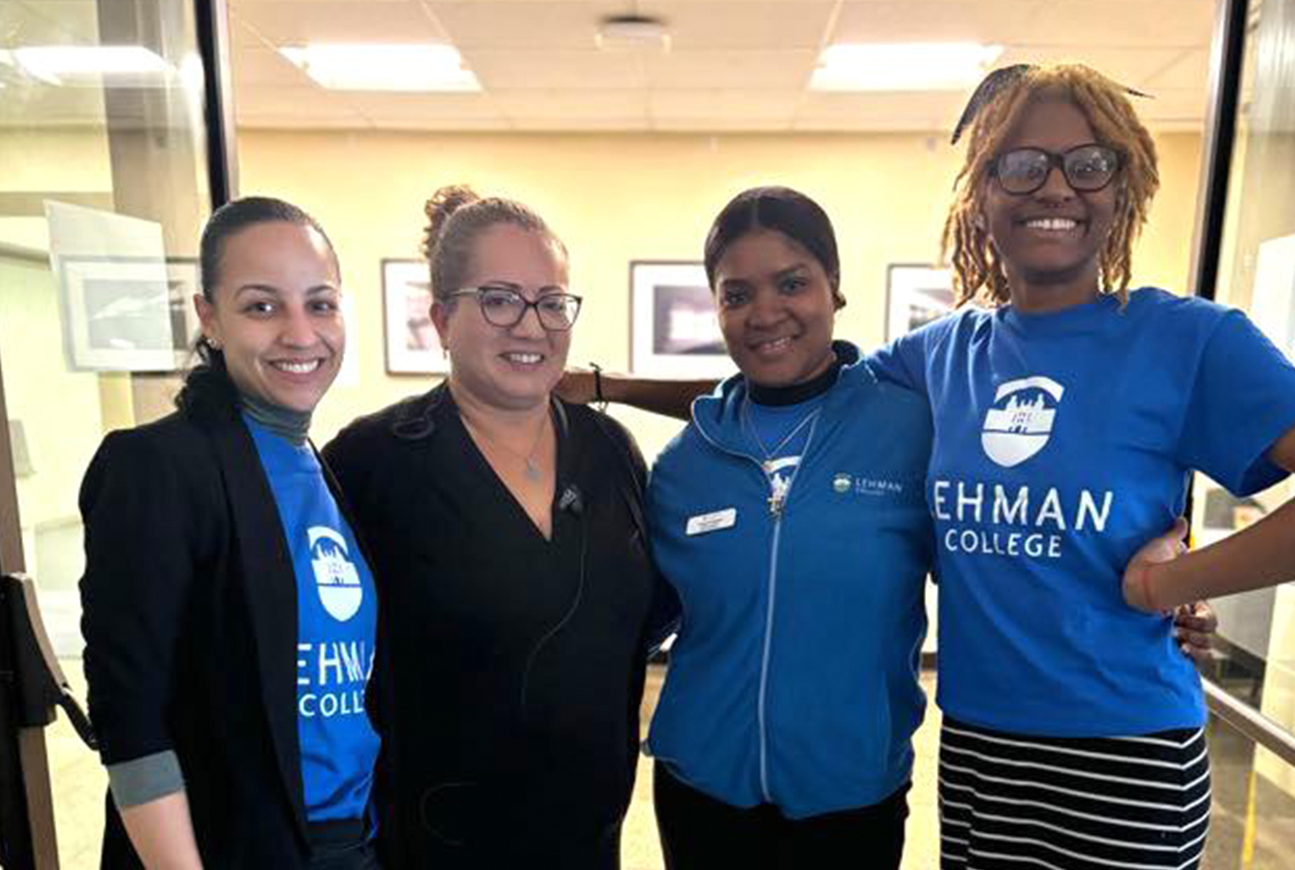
[
  {"x": 336, "y": 627},
  {"x": 1063, "y": 443}
]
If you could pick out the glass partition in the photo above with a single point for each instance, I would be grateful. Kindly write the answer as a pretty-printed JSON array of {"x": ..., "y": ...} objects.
[
  {"x": 1255, "y": 791},
  {"x": 103, "y": 189}
]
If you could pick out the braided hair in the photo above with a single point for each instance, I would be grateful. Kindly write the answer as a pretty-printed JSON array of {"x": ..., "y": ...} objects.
[{"x": 994, "y": 110}]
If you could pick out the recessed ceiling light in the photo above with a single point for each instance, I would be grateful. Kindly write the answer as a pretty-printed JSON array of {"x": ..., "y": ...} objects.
[
  {"x": 68, "y": 64},
  {"x": 902, "y": 66},
  {"x": 371, "y": 67},
  {"x": 632, "y": 33}
]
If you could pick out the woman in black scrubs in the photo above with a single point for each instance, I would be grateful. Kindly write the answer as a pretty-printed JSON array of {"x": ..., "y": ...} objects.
[{"x": 506, "y": 533}]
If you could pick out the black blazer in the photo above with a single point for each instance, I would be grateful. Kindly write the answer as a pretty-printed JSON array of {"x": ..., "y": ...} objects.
[{"x": 190, "y": 620}]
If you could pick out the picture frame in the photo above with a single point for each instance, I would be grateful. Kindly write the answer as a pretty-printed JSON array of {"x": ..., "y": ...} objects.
[
  {"x": 916, "y": 294},
  {"x": 411, "y": 344},
  {"x": 674, "y": 331},
  {"x": 128, "y": 314}
]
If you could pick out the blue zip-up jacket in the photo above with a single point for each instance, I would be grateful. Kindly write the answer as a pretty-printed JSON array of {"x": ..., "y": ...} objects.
[{"x": 794, "y": 678}]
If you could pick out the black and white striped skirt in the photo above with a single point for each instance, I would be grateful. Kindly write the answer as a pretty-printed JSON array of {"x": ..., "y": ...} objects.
[{"x": 1103, "y": 803}]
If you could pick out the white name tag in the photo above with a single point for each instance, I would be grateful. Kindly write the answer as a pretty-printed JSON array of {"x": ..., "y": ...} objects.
[{"x": 703, "y": 523}]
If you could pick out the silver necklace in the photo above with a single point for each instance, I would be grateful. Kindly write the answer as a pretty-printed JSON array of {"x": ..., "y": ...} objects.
[
  {"x": 529, "y": 467},
  {"x": 770, "y": 456}
]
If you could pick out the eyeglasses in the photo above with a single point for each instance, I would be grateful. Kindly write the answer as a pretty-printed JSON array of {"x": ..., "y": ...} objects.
[
  {"x": 503, "y": 307},
  {"x": 1087, "y": 168}
]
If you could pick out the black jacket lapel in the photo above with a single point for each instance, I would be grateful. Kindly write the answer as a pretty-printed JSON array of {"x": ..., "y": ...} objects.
[{"x": 271, "y": 592}]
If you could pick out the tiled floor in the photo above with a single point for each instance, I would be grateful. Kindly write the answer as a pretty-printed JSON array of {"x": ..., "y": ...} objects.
[{"x": 1268, "y": 840}]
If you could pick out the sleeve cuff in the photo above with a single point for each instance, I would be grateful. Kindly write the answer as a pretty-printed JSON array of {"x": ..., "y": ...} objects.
[{"x": 141, "y": 780}]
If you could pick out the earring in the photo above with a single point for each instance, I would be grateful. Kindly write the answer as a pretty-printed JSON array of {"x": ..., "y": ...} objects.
[
  {"x": 213, "y": 343},
  {"x": 978, "y": 221}
]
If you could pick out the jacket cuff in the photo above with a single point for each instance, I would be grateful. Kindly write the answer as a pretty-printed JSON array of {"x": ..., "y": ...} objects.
[{"x": 141, "y": 780}]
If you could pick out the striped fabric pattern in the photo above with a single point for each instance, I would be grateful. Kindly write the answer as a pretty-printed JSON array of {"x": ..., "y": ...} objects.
[{"x": 1105, "y": 803}]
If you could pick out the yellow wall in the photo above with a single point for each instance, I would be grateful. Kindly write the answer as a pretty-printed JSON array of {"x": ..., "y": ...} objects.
[{"x": 617, "y": 198}]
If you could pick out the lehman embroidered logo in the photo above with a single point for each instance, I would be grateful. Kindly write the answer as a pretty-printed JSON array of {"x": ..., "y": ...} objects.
[
  {"x": 336, "y": 578},
  {"x": 1020, "y": 422}
]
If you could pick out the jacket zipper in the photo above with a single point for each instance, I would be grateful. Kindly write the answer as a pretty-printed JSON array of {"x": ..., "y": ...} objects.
[{"x": 776, "y": 510}]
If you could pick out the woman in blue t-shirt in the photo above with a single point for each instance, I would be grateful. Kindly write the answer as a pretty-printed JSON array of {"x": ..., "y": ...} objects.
[
  {"x": 1069, "y": 412},
  {"x": 229, "y": 613}
]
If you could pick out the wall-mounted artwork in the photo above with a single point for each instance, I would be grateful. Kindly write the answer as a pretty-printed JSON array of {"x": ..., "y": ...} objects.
[
  {"x": 132, "y": 314},
  {"x": 673, "y": 329},
  {"x": 412, "y": 345},
  {"x": 916, "y": 295}
]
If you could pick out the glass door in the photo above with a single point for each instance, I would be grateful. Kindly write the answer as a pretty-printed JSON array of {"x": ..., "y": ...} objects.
[
  {"x": 103, "y": 189},
  {"x": 1257, "y": 273}
]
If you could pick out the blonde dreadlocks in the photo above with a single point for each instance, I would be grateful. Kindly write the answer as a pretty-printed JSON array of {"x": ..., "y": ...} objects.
[{"x": 978, "y": 269}]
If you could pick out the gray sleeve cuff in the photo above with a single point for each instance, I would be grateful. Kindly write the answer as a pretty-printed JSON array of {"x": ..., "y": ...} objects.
[{"x": 141, "y": 780}]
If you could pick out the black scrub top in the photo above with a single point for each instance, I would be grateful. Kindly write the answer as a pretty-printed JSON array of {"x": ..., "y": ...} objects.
[{"x": 511, "y": 667}]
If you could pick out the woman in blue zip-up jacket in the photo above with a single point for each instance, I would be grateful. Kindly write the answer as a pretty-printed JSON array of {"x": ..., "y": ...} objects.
[{"x": 790, "y": 516}]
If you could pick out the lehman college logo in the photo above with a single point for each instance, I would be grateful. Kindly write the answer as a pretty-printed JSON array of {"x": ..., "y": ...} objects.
[
  {"x": 335, "y": 576},
  {"x": 1020, "y": 422}
]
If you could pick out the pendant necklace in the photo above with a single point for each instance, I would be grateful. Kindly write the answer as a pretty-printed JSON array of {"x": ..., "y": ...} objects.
[
  {"x": 530, "y": 468},
  {"x": 779, "y": 487},
  {"x": 770, "y": 456}
]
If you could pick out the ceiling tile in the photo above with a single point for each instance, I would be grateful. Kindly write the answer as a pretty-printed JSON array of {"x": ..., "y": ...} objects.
[
  {"x": 383, "y": 108},
  {"x": 559, "y": 68},
  {"x": 585, "y": 105},
  {"x": 727, "y": 25},
  {"x": 724, "y": 105},
  {"x": 1182, "y": 23},
  {"x": 534, "y": 25},
  {"x": 257, "y": 67},
  {"x": 1000, "y": 21},
  {"x": 910, "y": 111},
  {"x": 298, "y": 21},
  {"x": 720, "y": 125},
  {"x": 1133, "y": 67},
  {"x": 731, "y": 69},
  {"x": 294, "y": 102},
  {"x": 734, "y": 64},
  {"x": 1191, "y": 70}
]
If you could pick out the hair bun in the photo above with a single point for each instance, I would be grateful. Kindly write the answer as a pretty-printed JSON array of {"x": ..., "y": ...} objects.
[{"x": 444, "y": 202}]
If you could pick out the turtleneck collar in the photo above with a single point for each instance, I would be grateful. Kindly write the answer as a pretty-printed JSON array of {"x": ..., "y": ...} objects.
[
  {"x": 285, "y": 422},
  {"x": 794, "y": 394}
]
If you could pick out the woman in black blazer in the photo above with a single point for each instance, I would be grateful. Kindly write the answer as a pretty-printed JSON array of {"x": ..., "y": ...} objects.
[{"x": 229, "y": 614}]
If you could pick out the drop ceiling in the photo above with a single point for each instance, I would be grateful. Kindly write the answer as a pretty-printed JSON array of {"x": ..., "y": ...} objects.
[{"x": 734, "y": 65}]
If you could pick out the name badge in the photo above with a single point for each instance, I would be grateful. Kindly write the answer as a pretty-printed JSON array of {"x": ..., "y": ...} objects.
[{"x": 711, "y": 522}]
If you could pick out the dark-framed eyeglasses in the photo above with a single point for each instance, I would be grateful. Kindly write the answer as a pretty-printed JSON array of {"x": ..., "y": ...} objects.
[
  {"x": 1087, "y": 168},
  {"x": 505, "y": 307}
]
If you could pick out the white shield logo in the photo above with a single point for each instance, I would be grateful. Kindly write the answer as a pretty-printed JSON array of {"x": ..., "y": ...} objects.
[
  {"x": 336, "y": 578},
  {"x": 1020, "y": 422}
]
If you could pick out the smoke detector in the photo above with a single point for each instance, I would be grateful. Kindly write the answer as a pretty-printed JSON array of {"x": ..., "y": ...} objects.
[{"x": 632, "y": 33}]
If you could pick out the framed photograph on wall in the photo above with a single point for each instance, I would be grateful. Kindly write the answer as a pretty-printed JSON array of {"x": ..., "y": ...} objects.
[
  {"x": 412, "y": 345},
  {"x": 128, "y": 314},
  {"x": 673, "y": 329},
  {"x": 916, "y": 294}
]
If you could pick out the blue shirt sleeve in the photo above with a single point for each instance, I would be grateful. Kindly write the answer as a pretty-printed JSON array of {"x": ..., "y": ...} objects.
[
  {"x": 903, "y": 361},
  {"x": 1242, "y": 402}
]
